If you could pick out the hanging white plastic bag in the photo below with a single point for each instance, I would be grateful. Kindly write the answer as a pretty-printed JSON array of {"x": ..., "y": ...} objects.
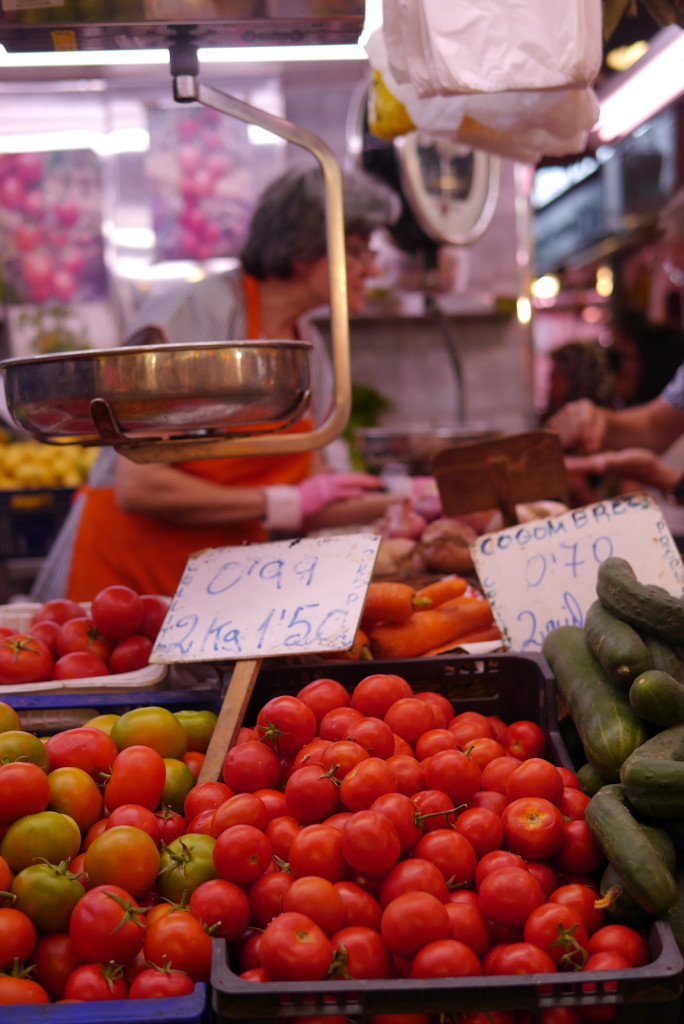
[
  {"x": 470, "y": 46},
  {"x": 522, "y": 125}
]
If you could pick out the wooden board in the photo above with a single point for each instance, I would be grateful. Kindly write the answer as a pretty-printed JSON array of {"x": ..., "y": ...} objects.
[
  {"x": 230, "y": 718},
  {"x": 501, "y": 473}
]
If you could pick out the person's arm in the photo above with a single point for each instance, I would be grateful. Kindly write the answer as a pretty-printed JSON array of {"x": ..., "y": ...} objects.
[
  {"x": 637, "y": 464},
  {"x": 583, "y": 426},
  {"x": 161, "y": 490}
]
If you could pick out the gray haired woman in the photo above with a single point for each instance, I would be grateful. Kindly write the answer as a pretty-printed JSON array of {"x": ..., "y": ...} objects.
[{"x": 137, "y": 524}]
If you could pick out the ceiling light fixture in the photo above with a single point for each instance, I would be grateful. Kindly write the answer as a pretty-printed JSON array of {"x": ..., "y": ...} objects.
[
  {"x": 206, "y": 55},
  {"x": 648, "y": 87}
]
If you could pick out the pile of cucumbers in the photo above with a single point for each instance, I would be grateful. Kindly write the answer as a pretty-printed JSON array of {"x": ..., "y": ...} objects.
[{"x": 621, "y": 676}]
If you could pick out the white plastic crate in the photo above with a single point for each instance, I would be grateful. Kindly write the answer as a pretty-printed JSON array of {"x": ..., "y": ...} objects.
[{"x": 20, "y": 615}]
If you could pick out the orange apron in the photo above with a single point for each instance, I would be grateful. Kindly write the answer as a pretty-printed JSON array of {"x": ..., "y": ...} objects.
[{"x": 149, "y": 554}]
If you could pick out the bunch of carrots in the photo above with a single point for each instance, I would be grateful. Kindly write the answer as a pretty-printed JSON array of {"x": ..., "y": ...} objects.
[{"x": 400, "y": 621}]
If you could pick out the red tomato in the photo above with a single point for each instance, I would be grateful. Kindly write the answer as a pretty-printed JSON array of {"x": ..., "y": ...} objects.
[
  {"x": 483, "y": 749},
  {"x": 240, "y": 809},
  {"x": 45, "y": 631},
  {"x": 104, "y": 926},
  {"x": 206, "y": 795},
  {"x": 335, "y": 723},
  {"x": 341, "y": 756},
  {"x": 318, "y": 899},
  {"x": 155, "y": 608},
  {"x": 373, "y": 735},
  {"x": 24, "y": 789},
  {"x": 365, "y": 782},
  {"x": 410, "y": 718},
  {"x": 481, "y": 827},
  {"x": 535, "y": 777},
  {"x": 285, "y": 724},
  {"x": 402, "y": 813},
  {"x": 242, "y": 853},
  {"x": 525, "y": 739},
  {"x": 559, "y": 931},
  {"x": 446, "y": 958},
  {"x": 401, "y": 747},
  {"x": 495, "y": 774},
  {"x": 79, "y": 665},
  {"x": 439, "y": 701},
  {"x": 6, "y": 631},
  {"x": 579, "y": 852},
  {"x": 545, "y": 875},
  {"x": 573, "y": 803},
  {"x": 84, "y": 747},
  {"x": 59, "y": 610},
  {"x": 160, "y": 983},
  {"x": 415, "y": 874},
  {"x": 436, "y": 808},
  {"x": 55, "y": 958},
  {"x": 322, "y": 695},
  {"x": 131, "y": 654},
  {"x": 533, "y": 827},
  {"x": 251, "y": 765},
  {"x": 466, "y": 730},
  {"x": 490, "y": 799},
  {"x": 468, "y": 924},
  {"x": 310, "y": 752},
  {"x": 171, "y": 825},
  {"x": 96, "y": 981},
  {"x": 266, "y": 895},
  {"x": 451, "y": 853},
  {"x": 181, "y": 938},
  {"x": 281, "y": 832},
  {"x": 374, "y": 694},
  {"x": 117, "y": 611},
  {"x": 194, "y": 759},
  {"x": 138, "y": 775},
  {"x": 311, "y": 795},
  {"x": 412, "y": 920},
  {"x": 294, "y": 948},
  {"x": 455, "y": 773},
  {"x": 83, "y": 635},
  {"x": 360, "y": 907},
  {"x": 621, "y": 939},
  {"x": 509, "y": 895},
  {"x": 24, "y": 659},
  {"x": 17, "y": 935},
  {"x": 570, "y": 778},
  {"x": 432, "y": 741},
  {"x": 317, "y": 850},
  {"x": 410, "y": 775},
  {"x": 582, "y": 899},
  {"x": 222, "y": 906},
  {"x": 124, "y": 855},
  {"x": 370, "y": 843},
  {"x": 361, "y": 953},
  {"x": 521, "y": 958},
  {"x": 138, "y": 816}
]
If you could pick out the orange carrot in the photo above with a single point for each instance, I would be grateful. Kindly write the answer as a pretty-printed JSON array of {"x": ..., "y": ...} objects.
[
  {"x": 428, "y": 629},
  {"x": 387, "y": 601},
  {"x": 442, "y": 590},
  {"x": 478, "y": 636}
]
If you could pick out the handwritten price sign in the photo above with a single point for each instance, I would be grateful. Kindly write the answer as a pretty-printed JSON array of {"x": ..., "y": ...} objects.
[
  {"x": 263, "y": 600},
  {"x": 542, "y": 574}
]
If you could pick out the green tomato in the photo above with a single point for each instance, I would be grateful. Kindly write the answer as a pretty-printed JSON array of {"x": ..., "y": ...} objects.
[
  {"x": 47, "y": 835},
  {"x": 179, "y": 782},
  {"x": 17, "y": 745},
  {"x": 186, "y": 863},
  {"x": 47, "y": 893},
  {"x": 198, "y": 727},
  {"x": 154, "y": 727}
]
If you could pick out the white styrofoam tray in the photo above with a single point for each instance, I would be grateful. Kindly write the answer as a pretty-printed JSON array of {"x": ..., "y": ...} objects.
[{"x": 20, "y": 615}]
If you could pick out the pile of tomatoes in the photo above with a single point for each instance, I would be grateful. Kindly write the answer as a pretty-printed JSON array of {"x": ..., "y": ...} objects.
[
  {"x": 371, "y": 834},
  {"x": 66, "y": 641}
]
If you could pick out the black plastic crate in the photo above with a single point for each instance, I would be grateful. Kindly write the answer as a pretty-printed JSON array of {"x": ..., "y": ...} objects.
[{"x": 30, "y": 520}]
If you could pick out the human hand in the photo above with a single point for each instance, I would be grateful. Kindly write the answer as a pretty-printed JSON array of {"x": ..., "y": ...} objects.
[
  {"x": 322, "y": 489},
  {"x": 580, "y": 425}
]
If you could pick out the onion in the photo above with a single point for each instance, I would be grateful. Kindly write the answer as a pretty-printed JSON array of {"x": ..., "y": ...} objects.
[
  {"x": 445, "y": 545},
  {"x": 400, "y": 520}
]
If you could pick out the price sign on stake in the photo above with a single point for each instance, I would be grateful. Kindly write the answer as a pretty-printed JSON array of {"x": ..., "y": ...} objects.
[
  {"x": 262, "y": 600},
  {"x": 542, "y": 574}
]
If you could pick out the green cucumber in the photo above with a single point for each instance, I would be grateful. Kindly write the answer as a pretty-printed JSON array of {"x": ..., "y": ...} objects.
[
  {"x": 657, "y": 697},
  {"x": 647, "y": 607},
  {"x": 653, "y": 775},
  {"x": 616, "y": 644},
  {"x": 618, "y": 903},
  {"x": 664, "y": 656},
  {"x": 608, "y": 727},
  {"x": 590, "y": 780},
  {"x": 629, "y": 849}
]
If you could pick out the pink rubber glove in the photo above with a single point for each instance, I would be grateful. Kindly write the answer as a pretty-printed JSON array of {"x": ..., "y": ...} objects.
[{"x": 287, "y": 506}]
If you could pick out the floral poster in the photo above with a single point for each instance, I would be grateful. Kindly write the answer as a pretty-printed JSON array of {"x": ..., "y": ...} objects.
[
  {"x": 205, "y": 174},
  {"x": 51, "y": 227}
]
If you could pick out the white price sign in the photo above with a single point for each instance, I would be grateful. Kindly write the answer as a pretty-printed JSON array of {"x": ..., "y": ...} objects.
[
  {"x": 542, "y": 574},
  {"x": 263, "y": 600}
]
